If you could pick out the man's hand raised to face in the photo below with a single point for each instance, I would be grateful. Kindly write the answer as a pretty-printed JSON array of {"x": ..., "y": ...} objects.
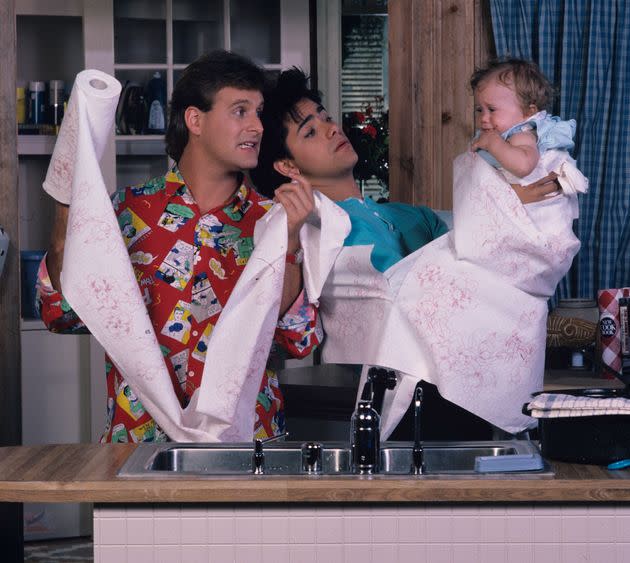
[{"x": 297, "y": 199}]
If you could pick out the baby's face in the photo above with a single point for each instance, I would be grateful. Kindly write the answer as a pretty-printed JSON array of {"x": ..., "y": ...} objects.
[{"x": 497, "y": 107}]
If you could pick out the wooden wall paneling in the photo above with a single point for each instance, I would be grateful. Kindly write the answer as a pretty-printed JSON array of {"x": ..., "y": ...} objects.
[
  {"x": 426, "y": 75},
  {"x": 434, "y": 46},
  {"x": 400, "y": 155},
  {"x": 406, "y": 92},
  {"x": 484, "y": 40},
  {"x": 457, "y": 62},
  {"x": 11, "y": 527}
]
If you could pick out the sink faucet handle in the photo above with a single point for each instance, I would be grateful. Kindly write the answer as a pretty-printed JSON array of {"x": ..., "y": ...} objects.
[
  {"x": 380, "y": 379},
  {"x": 382, "y": 376},
  {"x": 271, "y": 438},
  {"x": 311, "y": 457},
  {"x": 390, "y": 379},
  {"x": 258, "y": 459}
]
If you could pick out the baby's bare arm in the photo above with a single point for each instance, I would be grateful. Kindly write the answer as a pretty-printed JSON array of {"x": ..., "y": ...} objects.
[{"x": 519, "y": 155}]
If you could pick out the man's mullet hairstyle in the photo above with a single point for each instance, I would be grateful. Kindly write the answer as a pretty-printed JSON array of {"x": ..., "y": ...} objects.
[{"x": 199, "y": 83}]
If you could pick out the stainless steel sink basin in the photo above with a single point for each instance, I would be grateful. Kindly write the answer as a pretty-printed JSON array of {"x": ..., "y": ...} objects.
[
  {"x": 441, "y": 458},
  {"x": 236, "y": 459},
  {"x": 449, "y": 459}
]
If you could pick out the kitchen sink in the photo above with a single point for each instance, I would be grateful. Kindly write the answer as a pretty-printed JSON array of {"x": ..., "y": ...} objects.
[
  {"x": 285, "y": 458},
  {"x": 236, "y": 459}
]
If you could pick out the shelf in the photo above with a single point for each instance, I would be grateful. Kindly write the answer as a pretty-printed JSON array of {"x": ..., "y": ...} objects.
[
  {"x": 133, "y": 145},
  {"x": 49, "y": 8},
  {"x": 36, "y": 144},
  {"x": 32, "y": 324},
  {"x": 182, "y": 66},
  {"x": 141, "y": 18},
  {"x": 140, "y": 145},
  {"x": 141, "y": 66}
]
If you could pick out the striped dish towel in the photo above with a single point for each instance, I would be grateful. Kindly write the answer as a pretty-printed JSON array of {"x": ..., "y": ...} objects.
[{"x": 556, "y": 405}]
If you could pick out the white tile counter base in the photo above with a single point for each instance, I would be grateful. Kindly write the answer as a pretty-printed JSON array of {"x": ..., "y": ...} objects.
[{"x": 354, "y": 534}]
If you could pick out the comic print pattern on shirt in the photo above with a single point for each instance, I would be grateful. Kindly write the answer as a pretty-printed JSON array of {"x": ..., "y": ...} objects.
[{"x": 186, "y": 265}]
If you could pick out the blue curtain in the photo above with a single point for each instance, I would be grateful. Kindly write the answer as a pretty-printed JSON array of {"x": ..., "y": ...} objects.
[{"x": 583, "y": 47}]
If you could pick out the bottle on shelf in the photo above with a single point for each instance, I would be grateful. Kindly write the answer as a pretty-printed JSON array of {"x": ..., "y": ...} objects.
[
  {"x": 156, "y": 101},
  {"x": 56, "y": 99},
  {"x": 21, "y": 105},
  {"x": 37, "y": 92}
]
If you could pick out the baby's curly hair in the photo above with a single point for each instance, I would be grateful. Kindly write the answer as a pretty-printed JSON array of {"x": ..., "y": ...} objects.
[{"x": 525, "y": 77}]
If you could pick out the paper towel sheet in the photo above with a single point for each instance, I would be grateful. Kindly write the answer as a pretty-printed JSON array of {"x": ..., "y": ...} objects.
[
  {"x": 98, "y": 281},
  {"x": 466, "y": 312}
]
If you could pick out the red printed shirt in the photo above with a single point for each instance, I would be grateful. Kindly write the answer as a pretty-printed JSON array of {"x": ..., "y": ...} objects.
[{"x": 187, "y": 265}]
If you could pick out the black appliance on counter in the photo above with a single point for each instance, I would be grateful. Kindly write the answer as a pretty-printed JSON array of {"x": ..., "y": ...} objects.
[
  {"x": 597, "y": 440},
  {"x": 131, "y": 113}
]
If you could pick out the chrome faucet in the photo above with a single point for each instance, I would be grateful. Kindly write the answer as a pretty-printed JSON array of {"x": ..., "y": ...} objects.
[
  {"x": 258, "y": 459},
  {"x": 365, "y": 434},
  {"x": 312, "y": 457},
  {"x": 365, "y": 424},
  {"x": 417, "y": 467}
]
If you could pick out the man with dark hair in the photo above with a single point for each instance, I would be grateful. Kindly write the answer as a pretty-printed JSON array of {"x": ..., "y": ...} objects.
[
  {"x": 303, "y": 144},
  {"x": 189, "y": 235},
  {"x": 198, "y": 86}
]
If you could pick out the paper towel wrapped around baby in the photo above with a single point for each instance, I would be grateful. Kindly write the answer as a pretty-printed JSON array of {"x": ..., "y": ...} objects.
[{"x": 467, "y": 312}]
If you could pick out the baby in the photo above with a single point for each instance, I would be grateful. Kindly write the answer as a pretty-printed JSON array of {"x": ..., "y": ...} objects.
[{"x": 514, "y": 130}]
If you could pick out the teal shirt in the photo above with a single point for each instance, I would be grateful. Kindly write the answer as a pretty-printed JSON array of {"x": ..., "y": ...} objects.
[{"x": 395, "y": 229}]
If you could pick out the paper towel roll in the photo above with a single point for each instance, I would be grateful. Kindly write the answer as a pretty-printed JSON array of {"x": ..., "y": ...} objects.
[
  {"x": 99, "y": 94},
  {"x": 98, "y": 281}
]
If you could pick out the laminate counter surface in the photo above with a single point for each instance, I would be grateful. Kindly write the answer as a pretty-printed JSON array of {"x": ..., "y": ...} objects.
[{"x": 87, "y": 473}]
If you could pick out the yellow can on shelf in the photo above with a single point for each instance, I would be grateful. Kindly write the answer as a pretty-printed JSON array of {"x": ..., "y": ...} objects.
[{"x": 21, "y": 105}]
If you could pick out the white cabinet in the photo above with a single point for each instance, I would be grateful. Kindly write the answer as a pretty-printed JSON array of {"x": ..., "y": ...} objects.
[
  {"x": 55, "y": 410},
  {"x": 51, "y": 46},
  {"x": 133, "y": 39},
  {"x": 164, "y": 36},
  {"x": 58, "y": 394}
]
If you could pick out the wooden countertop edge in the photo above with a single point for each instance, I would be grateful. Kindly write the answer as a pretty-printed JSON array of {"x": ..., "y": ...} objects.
[
  {"x": 87, "y": 473},
  {"x": 328, "y": 491}
]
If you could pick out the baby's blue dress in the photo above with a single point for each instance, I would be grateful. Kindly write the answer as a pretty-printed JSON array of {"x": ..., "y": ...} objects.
[{"x": 551, "y": 133}]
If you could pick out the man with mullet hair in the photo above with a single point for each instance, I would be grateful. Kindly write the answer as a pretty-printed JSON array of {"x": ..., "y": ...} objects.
[{"x": 189, "y": 235}]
